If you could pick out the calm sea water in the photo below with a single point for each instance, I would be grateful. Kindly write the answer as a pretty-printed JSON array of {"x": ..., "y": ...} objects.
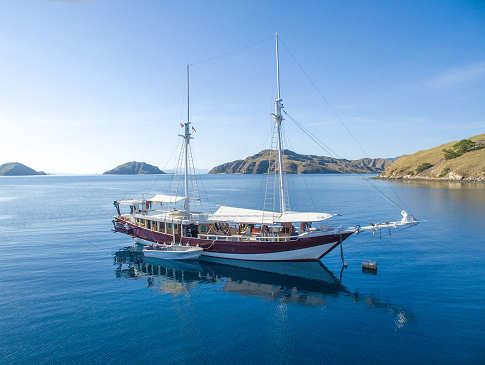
[{"x": 64, "y": 299}]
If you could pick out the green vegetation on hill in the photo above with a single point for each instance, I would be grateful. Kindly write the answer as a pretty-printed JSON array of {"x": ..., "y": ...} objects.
[
  {"x": 134, "y": 168},
  {"x": 423, "y": 166},
  {"x": 18, "y": 169},
  {"x": 458, "y": 160},
  {"x": 458, "y": 149},
  {"x": 295, "y": 163}
]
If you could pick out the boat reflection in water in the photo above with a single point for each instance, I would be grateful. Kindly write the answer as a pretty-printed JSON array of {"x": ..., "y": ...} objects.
[{"x": 302, "y": 283}]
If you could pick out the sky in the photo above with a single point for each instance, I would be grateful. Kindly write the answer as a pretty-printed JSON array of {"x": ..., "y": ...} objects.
[{"x": 86, "y": 85}]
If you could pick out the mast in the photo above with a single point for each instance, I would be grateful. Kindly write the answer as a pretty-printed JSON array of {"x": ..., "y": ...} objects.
[
  {"x": 278, "y": 119},
  {"x": 187, "y": 136}
]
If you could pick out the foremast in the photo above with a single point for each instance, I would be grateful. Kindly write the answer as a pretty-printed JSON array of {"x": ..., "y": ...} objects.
[
  {"x": 187, "y": 136},
  {"x": 278, "y": 119}
]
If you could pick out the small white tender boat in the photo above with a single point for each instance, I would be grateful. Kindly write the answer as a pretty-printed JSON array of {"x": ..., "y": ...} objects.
[{"x": 173, "y": 252}]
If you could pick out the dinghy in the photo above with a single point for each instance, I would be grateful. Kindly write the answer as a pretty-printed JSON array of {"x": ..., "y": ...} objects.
[{"x": 173, "y": 252}]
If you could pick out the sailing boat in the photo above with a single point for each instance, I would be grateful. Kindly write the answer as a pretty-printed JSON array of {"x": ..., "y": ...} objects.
[{"x": 238, "y": 233}]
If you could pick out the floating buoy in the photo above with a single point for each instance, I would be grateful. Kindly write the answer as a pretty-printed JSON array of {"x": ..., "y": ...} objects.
[{"x": 369, "y": 266}]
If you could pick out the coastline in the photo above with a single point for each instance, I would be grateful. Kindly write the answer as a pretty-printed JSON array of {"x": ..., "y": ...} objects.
[{"x": 472, "y": 180}]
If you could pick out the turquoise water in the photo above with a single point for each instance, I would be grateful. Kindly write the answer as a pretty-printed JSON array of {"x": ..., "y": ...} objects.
[{"x": 68, "y": 295}]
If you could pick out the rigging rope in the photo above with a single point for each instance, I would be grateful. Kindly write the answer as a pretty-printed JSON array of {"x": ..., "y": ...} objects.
[
  {"x": 322, "y": 145},
  {"x": 163, "y": 167},
  {"x": 322, "y": 97},
  {"x": 175, "y": 188},
  {"x": 339, "y": 119},
  {"x": 229, "y": 53},
  {"x": 195, "y": 181},
  {"x": 308, "y": 194}
]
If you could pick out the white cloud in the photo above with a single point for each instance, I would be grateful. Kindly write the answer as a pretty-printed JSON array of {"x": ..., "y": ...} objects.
[{"x": 458, "y": 75}]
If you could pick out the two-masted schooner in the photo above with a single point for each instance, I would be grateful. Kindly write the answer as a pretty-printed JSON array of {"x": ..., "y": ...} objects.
[{"x": 232, "y": 232}]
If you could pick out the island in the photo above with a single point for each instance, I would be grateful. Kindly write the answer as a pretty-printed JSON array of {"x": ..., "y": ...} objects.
[
  {"x": 18, "y": 169},
  {"x": 134, "y": 168},
  {"x": 294, "y": 163},
  {"x": 462, "y": 160}
]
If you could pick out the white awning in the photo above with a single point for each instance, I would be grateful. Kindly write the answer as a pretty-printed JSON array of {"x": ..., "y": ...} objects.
[
  {"x": 252, "y": 216},
  {"x": 130, "y": 202},
  {"x": 241, "y": 215},
  {"x": 163, "y": 198}
]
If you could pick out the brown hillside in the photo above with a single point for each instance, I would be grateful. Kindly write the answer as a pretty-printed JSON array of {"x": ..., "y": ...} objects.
[
  {"x": 295, "y": 163},
  {"x": 431, "y": 164}
]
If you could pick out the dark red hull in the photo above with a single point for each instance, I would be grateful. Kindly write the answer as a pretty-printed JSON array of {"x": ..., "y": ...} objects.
[{"x": 302, "y": 249}]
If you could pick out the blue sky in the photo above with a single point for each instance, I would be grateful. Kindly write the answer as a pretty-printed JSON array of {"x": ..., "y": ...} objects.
[{"x": 89, "y": 84}]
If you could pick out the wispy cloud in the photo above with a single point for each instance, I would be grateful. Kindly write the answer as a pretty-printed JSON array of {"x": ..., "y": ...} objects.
[{"x": 459, "y": 75}]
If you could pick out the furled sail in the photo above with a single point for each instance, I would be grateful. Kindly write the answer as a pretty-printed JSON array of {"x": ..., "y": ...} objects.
[
  {"x": 253, "y": 216},
  {"x": 164, "y": 198},
  {"x": 129, "y": 202}
]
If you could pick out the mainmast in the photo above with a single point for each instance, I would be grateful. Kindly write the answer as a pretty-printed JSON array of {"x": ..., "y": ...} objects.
[
  {"x": 187, "y": 137},
  {"x": 278, "y": 119}
]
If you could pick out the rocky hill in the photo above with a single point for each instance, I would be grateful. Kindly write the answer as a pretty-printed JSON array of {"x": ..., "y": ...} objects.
[
  {"x": 134, "y": 168},
  {"x": 18, "y": 169},
  {"x": 295, "y": 163},
  {"x": 454, "y": 161}
]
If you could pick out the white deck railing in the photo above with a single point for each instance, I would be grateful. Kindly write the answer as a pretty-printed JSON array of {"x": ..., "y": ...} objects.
[{"x": 216, "y": 237}]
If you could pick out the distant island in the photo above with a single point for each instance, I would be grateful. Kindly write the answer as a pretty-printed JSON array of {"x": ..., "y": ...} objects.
[
  {"x": 134, "y": 168},
  {"x": 454, "y": 161},
  {"x": 18, "y": 169},
  {"x": 295, "y": 163}
]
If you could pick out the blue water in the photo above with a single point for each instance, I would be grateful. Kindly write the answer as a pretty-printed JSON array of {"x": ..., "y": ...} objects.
[{"x": 65, "y": 300}]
